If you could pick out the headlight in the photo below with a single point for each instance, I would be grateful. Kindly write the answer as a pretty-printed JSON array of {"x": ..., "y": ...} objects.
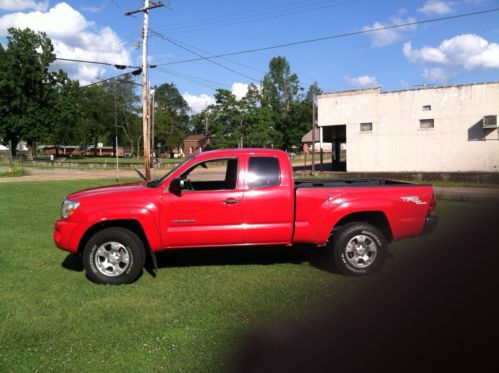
[{"x": 68, "y": 208}]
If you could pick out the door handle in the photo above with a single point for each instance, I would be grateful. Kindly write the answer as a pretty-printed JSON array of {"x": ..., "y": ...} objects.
[{"x": 231, "y": 201}]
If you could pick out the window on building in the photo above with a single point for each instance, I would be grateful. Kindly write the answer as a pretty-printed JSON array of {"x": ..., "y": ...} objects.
[
  {"x": 425, "y": 124},
  {"x": 427, "y": 108},
  {"x": 263, "y": 172},
  {"x": 366, "y": 127}
]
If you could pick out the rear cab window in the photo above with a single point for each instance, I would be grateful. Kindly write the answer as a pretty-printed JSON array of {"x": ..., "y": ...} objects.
[{"x": 263, "y": 172}]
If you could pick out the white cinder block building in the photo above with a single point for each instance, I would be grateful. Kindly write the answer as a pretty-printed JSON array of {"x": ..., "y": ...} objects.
[{"x": 448, "y": 129}]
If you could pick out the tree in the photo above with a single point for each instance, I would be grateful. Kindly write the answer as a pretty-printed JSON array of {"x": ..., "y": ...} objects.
[
  {"x": 125, "y": 108},
  {"x": 280, "y": 92},
  {"x": 97, "y": 115},
  {"x": 259, "y": 127},
  {"x": 226, "y": 121},
  {"x": 313, "y": 90},
  {"x": 171, "y": 116},
  {"x": 26, "y": 87},
  {"x": 66, "y": 111}
]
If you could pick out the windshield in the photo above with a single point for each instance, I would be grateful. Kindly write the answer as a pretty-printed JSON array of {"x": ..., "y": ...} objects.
[{"x": 155, "y": 183}]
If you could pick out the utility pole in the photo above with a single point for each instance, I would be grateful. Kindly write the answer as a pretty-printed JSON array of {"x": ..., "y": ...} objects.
[
  {"x": 145, "y": 89},
  {"x": 314, "y": 99},
  {"x": 205, "y": 118},
  {"x": 116, "y": 133},
  {"x": 153, "y": 92}
]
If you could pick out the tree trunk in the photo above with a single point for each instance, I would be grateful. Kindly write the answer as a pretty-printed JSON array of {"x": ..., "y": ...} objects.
[
  {"x": 29, "y": 144},
  {"x": 138, "y": 146},
  {"x": 13, "y": 147}
]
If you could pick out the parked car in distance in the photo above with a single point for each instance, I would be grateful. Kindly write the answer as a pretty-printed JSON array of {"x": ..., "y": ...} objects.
[{"x": 239, "y": 197}]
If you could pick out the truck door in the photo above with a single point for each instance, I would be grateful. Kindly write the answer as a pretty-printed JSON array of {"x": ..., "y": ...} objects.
[
  {"x": 209, "y": 211},
  {"x": 268, "y": 202}
]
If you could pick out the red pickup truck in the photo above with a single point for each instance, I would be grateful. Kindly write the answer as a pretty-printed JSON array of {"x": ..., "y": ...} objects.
[{"x": 239, "y": 197}]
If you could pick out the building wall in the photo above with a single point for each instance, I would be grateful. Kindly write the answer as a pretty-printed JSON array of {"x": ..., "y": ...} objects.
[{"x": 456, "y": 143}]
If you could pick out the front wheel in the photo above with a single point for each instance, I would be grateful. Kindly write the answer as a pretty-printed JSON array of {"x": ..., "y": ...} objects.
[
  {"x": 358, "y": 249},
  {"x": 114, "y": 256}
]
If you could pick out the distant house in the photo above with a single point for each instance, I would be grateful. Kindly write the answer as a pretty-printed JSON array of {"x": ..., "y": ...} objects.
[
  {"x": 307, "y": 142},
  {"x": 75, "y": 150},
  {"x": 195, "y": 144}
]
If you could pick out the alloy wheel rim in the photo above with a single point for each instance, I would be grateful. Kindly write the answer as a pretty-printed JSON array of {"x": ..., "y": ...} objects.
[
  {"x": 112, "y": 258},
  {"x": 361, "y": 251}
]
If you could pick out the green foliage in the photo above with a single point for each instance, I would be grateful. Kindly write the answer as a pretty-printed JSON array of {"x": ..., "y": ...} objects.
[
  {"x": 66, "y": 111},
  {"x": 273, "y": 115},
  {"x": 171, "y": 117},
  {"x": 42, "y": 106},
  {"x": 26, "y": 86}
]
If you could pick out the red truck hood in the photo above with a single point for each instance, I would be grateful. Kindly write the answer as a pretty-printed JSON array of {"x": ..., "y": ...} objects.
[{"x": 110, "y": 189}]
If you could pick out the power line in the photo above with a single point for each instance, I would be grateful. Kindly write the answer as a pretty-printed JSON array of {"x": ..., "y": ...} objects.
[
  {"x": 201, "y": 57},
  {"x": 206, "y": 83},
  {"x": 259, "y": 14},
  {"x": 118, "y": 66},
  {"x": 337, "y": 36},
  {"x": 105, "y": 80},
  {"x": 212, "y": 54}
]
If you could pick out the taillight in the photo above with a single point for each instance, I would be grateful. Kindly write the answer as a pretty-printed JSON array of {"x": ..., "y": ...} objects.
[{"x": 433, "y": 203}]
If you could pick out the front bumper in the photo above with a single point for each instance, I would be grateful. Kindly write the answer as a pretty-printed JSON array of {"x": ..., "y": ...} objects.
[
  {"x": 430, "y": 225},
  {"x": 67, "y": 235}
]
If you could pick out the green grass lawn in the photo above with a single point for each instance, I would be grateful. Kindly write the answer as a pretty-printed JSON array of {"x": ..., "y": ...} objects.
[{"x": 189, "y": 318}]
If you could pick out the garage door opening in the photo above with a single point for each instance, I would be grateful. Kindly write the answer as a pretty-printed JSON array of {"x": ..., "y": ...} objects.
[{"x": 337, "y": 135}]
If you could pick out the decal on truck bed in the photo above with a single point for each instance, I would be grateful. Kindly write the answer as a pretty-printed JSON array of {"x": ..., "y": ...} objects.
[{"x": 413, "y": 199}]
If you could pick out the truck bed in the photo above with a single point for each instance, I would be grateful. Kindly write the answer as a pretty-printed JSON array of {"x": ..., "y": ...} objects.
[
  {"x": 347, "y": 183},
  {"x": 403, "y": 205}
]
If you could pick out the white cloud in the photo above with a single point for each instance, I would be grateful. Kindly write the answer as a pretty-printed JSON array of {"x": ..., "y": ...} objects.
[
  {"x": 435, "y": 74},
  {"x": 438, "y": 7},
  {"x": 239, "y": 89},
  {"x": 198, "y": 103},
  {"x": 61, "y": 21},
  {"x": 386, "y": 37},
  {"x": 74, "y": 37},
  {"x": 363, "y": 81},
  {"x": 425, "y": 54},
  {"x": 468, "y": 52},
  {"x": 11, "y": 5}
]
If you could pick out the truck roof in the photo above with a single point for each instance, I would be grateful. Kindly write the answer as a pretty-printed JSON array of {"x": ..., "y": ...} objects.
[{"x": 236, "y": 151}]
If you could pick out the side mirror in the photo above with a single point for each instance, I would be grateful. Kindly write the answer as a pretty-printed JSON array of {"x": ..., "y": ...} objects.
[{"x": 177, "y": 185}]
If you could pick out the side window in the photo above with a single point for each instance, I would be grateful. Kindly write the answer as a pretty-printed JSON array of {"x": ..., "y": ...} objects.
[
  {"x": 263, "y": 172},
  {"x": 216, "y": 174}
]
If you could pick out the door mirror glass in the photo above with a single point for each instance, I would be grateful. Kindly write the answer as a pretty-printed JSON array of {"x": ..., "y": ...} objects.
[{"x": 177, "y": 185}]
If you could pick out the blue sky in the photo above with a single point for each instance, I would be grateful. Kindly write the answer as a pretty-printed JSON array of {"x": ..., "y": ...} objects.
[{"x": 457, "y": 51}]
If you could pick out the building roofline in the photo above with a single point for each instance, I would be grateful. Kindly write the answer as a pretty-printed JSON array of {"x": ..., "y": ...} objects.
[{"x": 365, "y": 90}]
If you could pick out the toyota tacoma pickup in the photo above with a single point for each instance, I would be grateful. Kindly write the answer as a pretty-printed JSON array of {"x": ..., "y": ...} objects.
[{"x": 239, "y": 197}]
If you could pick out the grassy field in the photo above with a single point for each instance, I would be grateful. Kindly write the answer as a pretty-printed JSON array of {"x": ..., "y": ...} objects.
[{"x": 189, "y": 318}]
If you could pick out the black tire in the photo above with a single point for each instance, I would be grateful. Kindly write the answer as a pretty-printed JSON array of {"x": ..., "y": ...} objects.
[
  {"x": 114, "y": 256},
  {"x": 358, "y": 249}
]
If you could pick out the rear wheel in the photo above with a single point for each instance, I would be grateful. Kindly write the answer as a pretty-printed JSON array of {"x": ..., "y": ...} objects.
[
  {"x": 114, "y": 256},
  {"x": 358, "y": 249}
]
